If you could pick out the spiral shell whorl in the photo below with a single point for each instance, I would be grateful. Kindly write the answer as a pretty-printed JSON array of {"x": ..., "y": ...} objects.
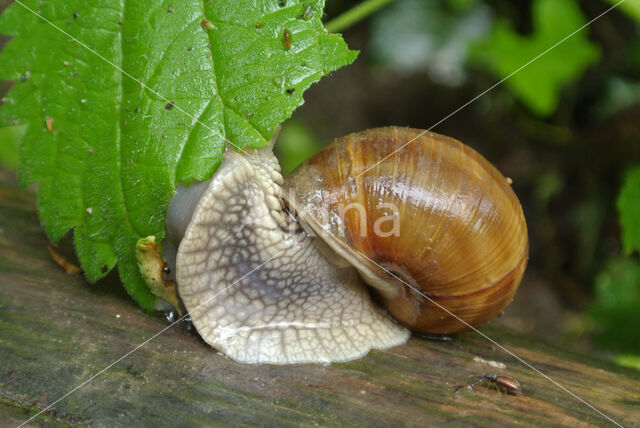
[{"x": 461, "y": 236}]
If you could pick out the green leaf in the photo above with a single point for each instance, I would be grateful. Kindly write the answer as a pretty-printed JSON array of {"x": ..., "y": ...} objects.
[
  {"x": 9, "y": 142},
  {"x": 630, "y": 7},
  {"x": 627, "y": 360},
  {"x": 616, "y": 303},
  {"x": 538, "y": 85},
  {"x": 296, "y": 143},
  {"x": 116, "y": 150},
  {"x": 629, "y": 209},
  {"x": 416, "y": 35}
]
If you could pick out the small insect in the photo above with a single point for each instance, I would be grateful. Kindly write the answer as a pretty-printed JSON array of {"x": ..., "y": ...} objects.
[
  {"x": 169, "y": 105},
  {"x": 49, "y": 121},
  {"x": 286, "y": 39},
  {"x": 505, "y": 384},
  {"x": 207, "y": 25}
]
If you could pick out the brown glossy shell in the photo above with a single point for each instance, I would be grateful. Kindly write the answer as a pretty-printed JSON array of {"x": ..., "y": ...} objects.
[{"x": 462, "y": 238}]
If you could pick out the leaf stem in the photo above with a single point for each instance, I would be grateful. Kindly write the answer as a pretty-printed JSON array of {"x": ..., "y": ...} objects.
[{"x": 355, "y": 14}]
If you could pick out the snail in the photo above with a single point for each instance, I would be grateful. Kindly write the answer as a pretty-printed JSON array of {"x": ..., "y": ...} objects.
[{"x": 276, "y": 271}]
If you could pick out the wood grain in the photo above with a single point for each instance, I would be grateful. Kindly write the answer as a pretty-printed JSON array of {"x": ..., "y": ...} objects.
[{"x": 56, "y": 331}]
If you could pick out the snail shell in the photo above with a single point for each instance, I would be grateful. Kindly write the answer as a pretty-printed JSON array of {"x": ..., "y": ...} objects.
[{"x": 429, "y": 209}]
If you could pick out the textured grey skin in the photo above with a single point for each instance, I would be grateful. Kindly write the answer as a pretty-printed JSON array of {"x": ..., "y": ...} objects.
[{"x": 257, "y": 287}]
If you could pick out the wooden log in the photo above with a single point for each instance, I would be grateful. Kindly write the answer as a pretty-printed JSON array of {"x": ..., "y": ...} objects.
[{"x": 57, "y": 331}]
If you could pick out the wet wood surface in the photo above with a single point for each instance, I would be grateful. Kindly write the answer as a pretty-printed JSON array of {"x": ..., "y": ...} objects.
[{"x": 57, "y": 331}]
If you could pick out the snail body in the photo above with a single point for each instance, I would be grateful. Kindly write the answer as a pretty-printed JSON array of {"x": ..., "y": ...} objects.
[{"x": 432, "y": 227}]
